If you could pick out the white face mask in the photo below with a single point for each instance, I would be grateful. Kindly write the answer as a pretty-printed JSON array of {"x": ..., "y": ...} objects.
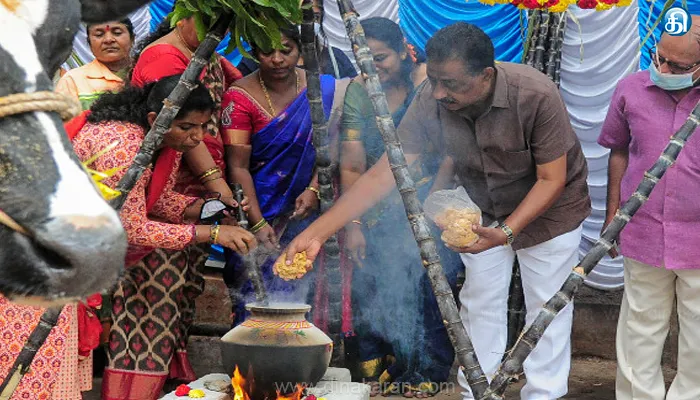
[{"x": 671, "y": 82}]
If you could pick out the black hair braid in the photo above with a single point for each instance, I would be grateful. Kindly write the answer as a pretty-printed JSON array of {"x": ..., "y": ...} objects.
[
  {"x": 128, "y": 105},
  {"x": 133, "y": 104}
]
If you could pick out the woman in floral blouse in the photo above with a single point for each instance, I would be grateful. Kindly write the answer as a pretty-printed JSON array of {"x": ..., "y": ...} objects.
[{"x": 146, "y": 303}]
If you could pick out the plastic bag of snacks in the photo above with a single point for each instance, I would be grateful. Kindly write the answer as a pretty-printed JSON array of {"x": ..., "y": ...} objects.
[{"x": 455, "y": 213}]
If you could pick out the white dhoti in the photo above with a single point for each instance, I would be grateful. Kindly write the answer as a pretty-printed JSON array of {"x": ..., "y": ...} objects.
[{"x": 484, "y": 309}]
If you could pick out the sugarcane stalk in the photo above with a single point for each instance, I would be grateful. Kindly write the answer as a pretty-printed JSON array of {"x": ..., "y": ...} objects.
[
  {"x": 516, "y": 306},
  {"x": 532, "y": 39},
  {"x": 251, "y": 264},
  {"x": 26, "y": 356},
  {"x": 552, "y": 48},
  {"x": 533, "y": 334},
  {"x": 331, "y": 247},
  {"x": 560, "y": 45},
  {"x": 154, "y": 139},
  {"x": 542, "y": 40},
  {"x": 414, "y": 209}
]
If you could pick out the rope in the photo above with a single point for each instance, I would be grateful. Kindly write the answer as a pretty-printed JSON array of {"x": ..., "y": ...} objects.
[{"x": 20, "y": 103}]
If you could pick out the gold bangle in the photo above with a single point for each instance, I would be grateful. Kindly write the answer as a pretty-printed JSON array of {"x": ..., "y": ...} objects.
[
  {"x": 209, "y": 172},
  {"x": 313, "y": 189},
  {"x": 214, "y": 234},
  {"x": 212, "y": 178},
  {"x": 257, "y": 227}
]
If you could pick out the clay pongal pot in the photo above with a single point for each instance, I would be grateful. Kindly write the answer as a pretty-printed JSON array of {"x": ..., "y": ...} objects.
[{"x": 279, "y": 346}]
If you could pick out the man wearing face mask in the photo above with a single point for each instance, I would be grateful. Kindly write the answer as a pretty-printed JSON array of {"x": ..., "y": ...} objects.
[{"x": 659, "y": 245}]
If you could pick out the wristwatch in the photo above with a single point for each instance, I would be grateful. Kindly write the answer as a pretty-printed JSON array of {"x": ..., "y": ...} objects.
[{"x": 509, "y": 234}]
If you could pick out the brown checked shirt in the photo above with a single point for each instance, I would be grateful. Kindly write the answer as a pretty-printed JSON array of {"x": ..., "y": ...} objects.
[{"x": 496, "y": 156}]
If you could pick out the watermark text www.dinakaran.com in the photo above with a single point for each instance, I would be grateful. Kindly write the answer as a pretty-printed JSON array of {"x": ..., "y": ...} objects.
[{"x": 354, "y": 388}]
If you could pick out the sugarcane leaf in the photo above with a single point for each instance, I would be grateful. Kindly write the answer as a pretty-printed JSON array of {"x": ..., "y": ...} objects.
[
  {"x": 200, "y": 26},
  {"x": 205, "y": 8},
  {"x": 188, "y": 4},
  {"x": 667, "y": 5},
  {"x": 580, "y": 31},
  {"x": 179, "y": 13},
  {"x": 276, "y": 5},
  {"x": 239, "y": 43},
  {"x": 260, "y": 38}
]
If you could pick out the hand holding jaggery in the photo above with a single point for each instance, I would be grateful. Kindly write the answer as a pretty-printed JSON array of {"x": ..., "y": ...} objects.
[
  {"x": 299, "y": 266},
  {"x": 457, "y": 227}
]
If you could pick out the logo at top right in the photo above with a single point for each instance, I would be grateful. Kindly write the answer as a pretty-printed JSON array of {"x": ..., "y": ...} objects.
[{"x": 677, "y": 21}]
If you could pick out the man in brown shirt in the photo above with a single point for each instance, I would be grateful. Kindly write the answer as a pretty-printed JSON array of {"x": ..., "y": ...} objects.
[{"x": 505, "y": 133}]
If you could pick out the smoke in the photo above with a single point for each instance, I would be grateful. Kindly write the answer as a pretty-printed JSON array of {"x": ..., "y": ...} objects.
[
  {"x": 390, "y": 290},
  {"x": 257, "y": 281}
]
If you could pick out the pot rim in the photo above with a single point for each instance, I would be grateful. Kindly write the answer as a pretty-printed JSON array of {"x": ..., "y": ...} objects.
[{"x": 278, "y": 308}]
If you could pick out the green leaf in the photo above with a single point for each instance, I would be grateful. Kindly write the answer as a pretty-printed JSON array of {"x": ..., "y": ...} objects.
[
  {"x": 201, "y": 27},
  {"x": 179, "y": 13},
  {"x": 285, "y": 12},
  {"x": 257, "y": 21},
  {"x": 667, "y": 5},
  {"x": 188, "y": 4},
  {"x": 239, "y": 42}
]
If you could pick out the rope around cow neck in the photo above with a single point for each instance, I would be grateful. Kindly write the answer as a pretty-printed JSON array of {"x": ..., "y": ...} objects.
[{"x": 21, "y": 103}]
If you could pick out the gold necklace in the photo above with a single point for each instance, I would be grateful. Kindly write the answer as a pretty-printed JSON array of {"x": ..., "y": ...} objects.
[
  {"x": 182, "y": 41},
  {"x": 267, "y": 95}
]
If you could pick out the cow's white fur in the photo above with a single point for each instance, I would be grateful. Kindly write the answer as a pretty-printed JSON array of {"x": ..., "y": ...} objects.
[
  {"x": 16, "y": 30},
  {"x": 74, "y": 194}
]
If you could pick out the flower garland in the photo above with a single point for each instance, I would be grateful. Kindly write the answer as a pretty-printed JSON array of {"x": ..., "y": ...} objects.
[{"x": 561, "y": 5}]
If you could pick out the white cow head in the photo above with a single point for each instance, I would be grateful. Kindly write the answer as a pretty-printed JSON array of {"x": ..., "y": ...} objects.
[{"x": 76, "y": 245}]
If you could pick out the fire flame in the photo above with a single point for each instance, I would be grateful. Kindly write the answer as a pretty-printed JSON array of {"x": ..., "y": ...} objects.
[
  {"x": 241, "y": 391},
  {"x": 239, "y": 383},
  {"x": 296, "y": 395}
]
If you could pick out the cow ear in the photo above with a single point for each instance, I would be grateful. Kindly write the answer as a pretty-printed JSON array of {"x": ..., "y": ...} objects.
[{"x": 96, "y": 11}]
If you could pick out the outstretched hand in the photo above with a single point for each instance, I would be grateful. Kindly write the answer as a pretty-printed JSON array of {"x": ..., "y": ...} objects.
[{"x": 303, "y": 242}]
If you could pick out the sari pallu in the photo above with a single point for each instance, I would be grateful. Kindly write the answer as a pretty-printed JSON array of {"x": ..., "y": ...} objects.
[
  {"x": 282, "y": 165},
  {"x": 395, "y": 310}
]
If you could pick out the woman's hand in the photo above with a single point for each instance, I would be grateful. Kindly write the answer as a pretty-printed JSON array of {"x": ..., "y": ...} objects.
[
  {"x": 355, "y": 244},
  {"x": 303, "y": 242},
  {"x": 306, "y": 202},
  {"x": 230, "y": 216},
  {"x": 236, "y": 239},
  {"x": 231, "y": 202},
  {"x": 267, "y": 237}
]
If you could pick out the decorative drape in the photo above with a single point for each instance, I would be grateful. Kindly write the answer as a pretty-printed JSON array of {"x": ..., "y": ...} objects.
[
  {"x": 610, "y": 42},
  {"x": 335, "y": 29},
  {"x": 502, "y": 22}
]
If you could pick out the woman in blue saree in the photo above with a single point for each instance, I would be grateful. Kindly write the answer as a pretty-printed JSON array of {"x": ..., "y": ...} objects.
[{"x": 267, "y": 132}]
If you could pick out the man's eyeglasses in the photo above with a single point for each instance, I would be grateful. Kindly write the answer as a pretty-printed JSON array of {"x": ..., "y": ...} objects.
[{"x": 672, "y": 66}]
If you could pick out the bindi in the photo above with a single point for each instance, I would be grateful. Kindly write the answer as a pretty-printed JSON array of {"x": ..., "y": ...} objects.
[{"x": 107, "y": 28}]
